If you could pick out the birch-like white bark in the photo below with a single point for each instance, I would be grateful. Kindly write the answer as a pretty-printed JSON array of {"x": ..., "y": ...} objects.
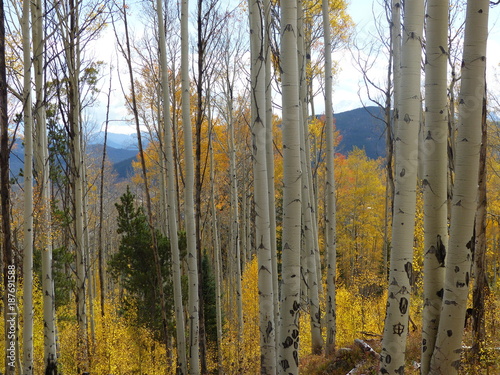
[
  {"x": 193, "y": 308},
  {"x": 446, "y": 356},
  {"x": 261, "y": 185},
  {"x": 28, "y": 197},
  {"x": 69, "y": 24},
  {"x": 330, "y": 219},
  {"x": 401, "y": 262},
  {"x": 42, "y": 167},
  {"x": 270, "y": 161},
  {"x": 288, "y": 346},
  {"x": 396, "y": 39},
  {"x": 171, "y": 206},
  {"x": 435, "y": 178}
]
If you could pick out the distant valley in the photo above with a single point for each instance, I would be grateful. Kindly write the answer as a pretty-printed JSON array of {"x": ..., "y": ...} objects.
[{"x": 361, "y": 128}]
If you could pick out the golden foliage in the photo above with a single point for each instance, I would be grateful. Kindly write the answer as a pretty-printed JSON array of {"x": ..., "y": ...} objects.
[
  {"x": 119, "y": 346},
  {"x": 245, "y": 350}
]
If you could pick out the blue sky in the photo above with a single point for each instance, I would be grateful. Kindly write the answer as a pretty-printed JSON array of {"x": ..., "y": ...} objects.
[
  {"x": 348, "y": 89},
  {"x": 348, "y": 82}
]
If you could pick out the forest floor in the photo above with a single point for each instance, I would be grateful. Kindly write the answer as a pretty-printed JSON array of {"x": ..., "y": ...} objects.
[{"x": 361, "y": 358}]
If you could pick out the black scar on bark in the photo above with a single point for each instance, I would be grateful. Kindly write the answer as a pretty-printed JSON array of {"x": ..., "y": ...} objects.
[
  {"x": 400, "y": 370},
  {"x": 460, "y": 285},
  {"x": 388, "y": 358},
  {"x": 440, "y": 293},
  {"x": 409, "y": 272},
  {"x": 403, "y": 305},
  {"x": 295, "y": 334},
  {"x": 288, "y": 342},
  {"x": 269, "y": 328},
  {"x": 296, "y": 357},
  {"x": 457, "y": 269},
  {"x": 449, "y": 333},
  {"x": 467, "y": 278},
  {"x": 284, "y": 364},
  {"x": 470, "y": 244},
  {"x": 440, "y": 251}
]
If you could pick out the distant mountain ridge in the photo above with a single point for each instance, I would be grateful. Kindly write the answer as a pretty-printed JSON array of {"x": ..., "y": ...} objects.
[
  {"x": 358, "y": 128},
  {"x": 362, "y": 128}
]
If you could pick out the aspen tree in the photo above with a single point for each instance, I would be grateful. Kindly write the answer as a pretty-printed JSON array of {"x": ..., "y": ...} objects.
[
  {"x": 270, "y": 162},
  {"x": 193, "y": 307},
  {"x": 28, "y": 197},
  {"x": 311, "y": 282},
  {"x": 171, "y": 199},
  {"x": 446, "y": 356},
  {"x": 234, "y": 236},
  {"x": 88, "y": 255},
  {"x": 481, "y": 288},
  {"x": 100, "y": 241},
  {"x": 9, "y": 268},
  {"x": 330, "y": 219},
  {"x": 261, "y": 197},
  {"x": 396, "y": 42},
  {"x": 401, "y": 262},
  {"x": 435, "y": 181},
  {"x": 288, "y": 347},
  {"x": 69, "y": 23},
  {"x": 42, "y": 168}
]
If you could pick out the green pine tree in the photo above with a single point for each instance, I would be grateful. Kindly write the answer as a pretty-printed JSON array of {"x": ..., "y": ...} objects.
[{"x": 132, "y": 266}]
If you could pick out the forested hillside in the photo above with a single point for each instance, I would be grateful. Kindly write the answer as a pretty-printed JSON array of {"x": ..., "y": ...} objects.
[{"x": 247, "y": 226}]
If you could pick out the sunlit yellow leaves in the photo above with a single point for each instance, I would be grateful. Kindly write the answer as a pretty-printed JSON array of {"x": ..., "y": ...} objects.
[
  {"x": 120, "y": 347},
  {"x": 249, "y": 344},
  {"x": 360, "y": 214}
]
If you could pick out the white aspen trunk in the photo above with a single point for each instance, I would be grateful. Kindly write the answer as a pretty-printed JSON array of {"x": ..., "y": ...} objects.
[
  {"x": 79, "y": 233},
  {"x": 194, "y": 322},
  {"x": 270, "y": 162},
  {"x": 234, "y": 240},
  {"x": 171, "y": 206},
  {"x": 71, "y": 40},
  {"x": 401, "y": 267},
  {"x": 396, "y": 40},
  {"x": 446, "y": 356},
  {"x": 261, "y": 186},
  {"x": 8, "y": 266},
  {"x": 330, "y": 219},
  {"x": 435, "y": 178},
  {"x": 304, "y": 289},
  {"x": 309, "y": 269},
  {"x": 89, "y": 270},
  {"x": 103, "y": 283},
  {"x": 43, "y": 171},
  {"x": 481, "y": 288},
  {"x": 28, "y": 198},
  {"x": 288, "y": 348}
]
